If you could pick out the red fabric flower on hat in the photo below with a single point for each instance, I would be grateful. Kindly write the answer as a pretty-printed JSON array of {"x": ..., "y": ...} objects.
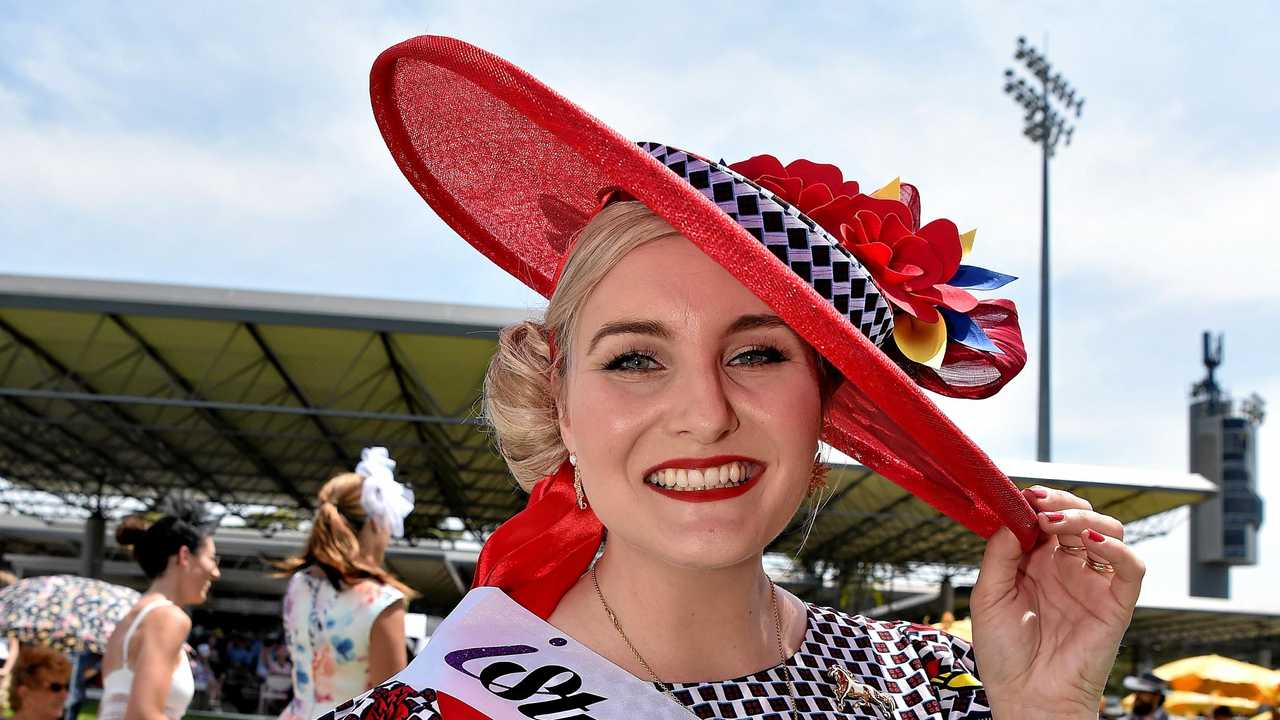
[{"x": 918, "y": 269}]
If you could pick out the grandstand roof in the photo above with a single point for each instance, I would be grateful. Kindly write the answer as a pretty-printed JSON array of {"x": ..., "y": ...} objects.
[{"x": 115, "y": 394}]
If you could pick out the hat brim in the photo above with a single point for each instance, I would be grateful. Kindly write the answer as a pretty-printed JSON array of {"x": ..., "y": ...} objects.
[{"x": 516, "y": 170}]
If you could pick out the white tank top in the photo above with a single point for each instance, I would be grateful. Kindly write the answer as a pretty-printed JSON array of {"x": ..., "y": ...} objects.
[{"x": 117, "y": 685}]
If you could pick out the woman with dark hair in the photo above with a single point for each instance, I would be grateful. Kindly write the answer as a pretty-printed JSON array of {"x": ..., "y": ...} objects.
[
  {"x": 343, "y": 612},
  {"x": 146, "y": 670},
  {"x": 41, "y": 679}
]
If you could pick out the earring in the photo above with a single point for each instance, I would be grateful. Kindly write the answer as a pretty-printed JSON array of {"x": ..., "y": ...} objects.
[
  {"x": 577, "y": 483},
  {"x": 818, "y": 477}
]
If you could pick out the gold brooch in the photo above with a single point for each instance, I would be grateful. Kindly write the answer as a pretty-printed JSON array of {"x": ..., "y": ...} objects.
[{"x": 861, "y": 695}]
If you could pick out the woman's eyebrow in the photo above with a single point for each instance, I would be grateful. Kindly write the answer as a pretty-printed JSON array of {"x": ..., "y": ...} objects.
[
  {"x": 629, "y": 327},
  {"x": 756, "y": 322}
]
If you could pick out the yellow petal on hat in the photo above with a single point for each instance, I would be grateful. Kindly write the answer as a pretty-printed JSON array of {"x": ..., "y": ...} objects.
[
  {"x": 922, "y": 342},
  {"x": 892, "y": 191},
  {"x": 966, "y": 243}
]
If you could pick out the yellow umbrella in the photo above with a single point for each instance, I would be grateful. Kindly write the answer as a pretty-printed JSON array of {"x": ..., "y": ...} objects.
[
  {"x": 1181, "y": 702},
  {"x": 1218, "y": 675}
]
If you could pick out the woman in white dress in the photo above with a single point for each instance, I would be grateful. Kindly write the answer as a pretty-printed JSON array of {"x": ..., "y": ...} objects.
[{"x": 146, "y": 670}]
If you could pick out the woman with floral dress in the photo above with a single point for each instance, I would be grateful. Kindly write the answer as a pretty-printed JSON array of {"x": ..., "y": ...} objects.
[{"x": 343, "y": 612}]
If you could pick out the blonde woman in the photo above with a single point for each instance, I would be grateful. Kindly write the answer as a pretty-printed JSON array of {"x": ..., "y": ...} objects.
[
  {"x": 343, "y": 611},
  {"x": 708, "y": 325},
  {"x": 146, "y": 671}
]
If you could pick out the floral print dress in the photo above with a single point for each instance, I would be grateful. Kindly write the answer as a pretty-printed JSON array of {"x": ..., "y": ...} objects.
[{"x": 328, "y": 636}]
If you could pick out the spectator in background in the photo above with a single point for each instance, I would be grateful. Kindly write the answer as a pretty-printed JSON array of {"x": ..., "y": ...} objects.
[
  {"x": 40, "y": 682},
  {"x": 276, "y": 671},
  {"x": 1222, "y": 712},
  {"x": 343, "y": 612},
  {"x": 146, "y": 672},
  {"x": 205, "y": 682},
  {"x": 1148, "y": 698},
  {"x": 8, "y": 650}
]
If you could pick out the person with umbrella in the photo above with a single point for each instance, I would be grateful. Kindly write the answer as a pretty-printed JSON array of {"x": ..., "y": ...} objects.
[
  {"x": 40, "y": 683},
  {"x": 146, "y": 670},
  {"x": 1149, "y": 693}
]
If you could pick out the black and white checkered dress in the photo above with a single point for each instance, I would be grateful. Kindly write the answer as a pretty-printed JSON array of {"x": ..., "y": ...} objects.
[{"x": 928, "y": 674}]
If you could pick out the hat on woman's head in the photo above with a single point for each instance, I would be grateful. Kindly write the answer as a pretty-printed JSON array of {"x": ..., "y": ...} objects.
[{"x": 517, "y": 170}]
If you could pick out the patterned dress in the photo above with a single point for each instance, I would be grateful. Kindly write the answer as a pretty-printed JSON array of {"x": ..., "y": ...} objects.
[
  {"x": 328, "y": 636},
  {"x": 926, "y": 674}
]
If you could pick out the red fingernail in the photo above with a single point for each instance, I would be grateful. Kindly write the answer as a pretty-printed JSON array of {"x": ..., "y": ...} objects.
[
  {"x": 1038, "y": 492},
  {"x": 1094, "y": 536},
  {"x": 1055, "y": 517}
]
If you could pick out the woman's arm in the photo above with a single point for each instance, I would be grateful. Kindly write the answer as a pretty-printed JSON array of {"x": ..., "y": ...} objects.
[
  {"x": 154, "y": 658},
  {"x": 387, "y": 655}
]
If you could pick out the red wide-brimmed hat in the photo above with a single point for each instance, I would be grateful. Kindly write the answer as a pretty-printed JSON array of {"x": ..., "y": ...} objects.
[{"x": 517, "y": 170}]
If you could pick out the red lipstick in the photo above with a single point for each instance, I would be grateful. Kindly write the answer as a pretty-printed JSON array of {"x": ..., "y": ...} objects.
[{"x": 712, "y": 495}]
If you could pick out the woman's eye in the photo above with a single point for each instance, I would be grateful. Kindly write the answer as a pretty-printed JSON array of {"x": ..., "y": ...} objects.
[
  {"x": 758, "y": 356},
  {"x": 632, "y": 362}
]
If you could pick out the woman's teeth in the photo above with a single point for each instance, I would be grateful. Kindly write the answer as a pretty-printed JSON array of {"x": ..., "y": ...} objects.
[{"x": 729, "y": 475}]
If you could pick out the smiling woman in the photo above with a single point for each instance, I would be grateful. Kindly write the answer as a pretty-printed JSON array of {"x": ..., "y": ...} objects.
[
  {"x": 708, "y": 326},
  {"x": 145, "y": 668}
]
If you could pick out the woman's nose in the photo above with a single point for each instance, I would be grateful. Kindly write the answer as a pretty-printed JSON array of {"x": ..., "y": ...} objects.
[{"x": 701, "y": 407}]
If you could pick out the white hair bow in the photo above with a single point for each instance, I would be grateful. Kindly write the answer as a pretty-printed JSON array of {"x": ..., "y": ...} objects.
[{"x": 383, "y": 498}]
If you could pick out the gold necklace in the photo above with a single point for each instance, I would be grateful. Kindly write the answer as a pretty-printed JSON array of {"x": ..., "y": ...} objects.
[{"x": 665, "y": 687}]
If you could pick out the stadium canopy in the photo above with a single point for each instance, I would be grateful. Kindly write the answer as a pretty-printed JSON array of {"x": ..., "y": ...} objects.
[{"x": 115, "y": 394}]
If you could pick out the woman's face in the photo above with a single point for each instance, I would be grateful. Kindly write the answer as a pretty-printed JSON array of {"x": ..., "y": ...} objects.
[
  {"x": 44, "y": 695},
  {"x": 200, "y": 571},
  {"x": 680, "y": 376}
]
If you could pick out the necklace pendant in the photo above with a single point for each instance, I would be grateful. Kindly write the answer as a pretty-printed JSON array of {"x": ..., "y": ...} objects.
[{"x": 859, "y": 696}]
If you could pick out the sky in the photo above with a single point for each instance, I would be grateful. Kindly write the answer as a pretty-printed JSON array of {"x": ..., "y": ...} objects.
[{"x": 232, "y": 144}]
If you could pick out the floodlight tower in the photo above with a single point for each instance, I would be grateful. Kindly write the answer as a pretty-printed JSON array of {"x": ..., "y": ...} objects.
[{"x": 1045, "y": 125}]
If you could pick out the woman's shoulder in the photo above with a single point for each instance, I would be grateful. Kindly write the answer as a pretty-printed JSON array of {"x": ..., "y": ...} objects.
[{"x": 374, "y": 593}]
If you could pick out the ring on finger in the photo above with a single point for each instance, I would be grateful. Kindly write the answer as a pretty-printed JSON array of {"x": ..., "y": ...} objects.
[
  {"x": 1077, "y": 550},
  {"x": 1102, "y": 568}
]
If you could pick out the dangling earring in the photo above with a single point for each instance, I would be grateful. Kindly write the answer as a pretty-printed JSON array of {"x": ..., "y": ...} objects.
[
  {"x": 577, "y": 483},
  {"x": 818, "y": 476}
]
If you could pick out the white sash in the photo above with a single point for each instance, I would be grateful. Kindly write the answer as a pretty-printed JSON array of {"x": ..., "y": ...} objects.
[{"x": 499, "y": 658}]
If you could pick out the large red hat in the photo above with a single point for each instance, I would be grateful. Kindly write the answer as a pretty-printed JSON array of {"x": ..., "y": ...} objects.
[{"x": 517, "y": 170}]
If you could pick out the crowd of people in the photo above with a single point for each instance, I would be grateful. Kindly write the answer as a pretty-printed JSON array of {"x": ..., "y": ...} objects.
[{"x": 343, "y": 621}]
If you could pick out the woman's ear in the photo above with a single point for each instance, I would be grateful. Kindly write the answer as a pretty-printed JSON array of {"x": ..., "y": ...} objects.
[
  {"x": 559, "y": 392},
  {"x": 183, "y": 556}
]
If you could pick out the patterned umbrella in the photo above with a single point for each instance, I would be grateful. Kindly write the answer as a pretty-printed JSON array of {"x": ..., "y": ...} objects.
[{"x": 66, "y": 612}]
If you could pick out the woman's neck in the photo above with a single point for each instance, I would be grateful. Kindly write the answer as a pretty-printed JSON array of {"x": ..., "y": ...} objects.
[
  {"x": 167, "y": 586},
  {"x": 372, "y": 556},
  {"x": 689, "y": 624}
]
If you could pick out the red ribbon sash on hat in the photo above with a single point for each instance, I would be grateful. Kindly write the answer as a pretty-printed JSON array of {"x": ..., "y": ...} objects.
[{"x": 536, "y": 556}]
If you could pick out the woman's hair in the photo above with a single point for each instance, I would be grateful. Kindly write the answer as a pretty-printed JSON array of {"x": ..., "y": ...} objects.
[
  {"x": 519, "y": 387},
  {"x": 334, "y": 545},
  {"x": 33, "y": 660},
  {"x": 182, "y": 524}
]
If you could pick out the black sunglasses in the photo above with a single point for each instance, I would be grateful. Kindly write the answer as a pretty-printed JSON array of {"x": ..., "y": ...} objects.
[{"x": 57, "y": 687}]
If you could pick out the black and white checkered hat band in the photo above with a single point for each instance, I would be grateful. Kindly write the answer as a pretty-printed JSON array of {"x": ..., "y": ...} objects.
[{"x": 800, "y": 243}]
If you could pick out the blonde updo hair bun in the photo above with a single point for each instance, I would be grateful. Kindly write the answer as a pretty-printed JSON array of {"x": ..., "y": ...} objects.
[
  {"x": 520, "y": 403},
  {"x": 520, "y": 388}
]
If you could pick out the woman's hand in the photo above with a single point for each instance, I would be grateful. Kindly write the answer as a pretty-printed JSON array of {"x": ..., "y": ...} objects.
[{"x": 1047, "y": 624}]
